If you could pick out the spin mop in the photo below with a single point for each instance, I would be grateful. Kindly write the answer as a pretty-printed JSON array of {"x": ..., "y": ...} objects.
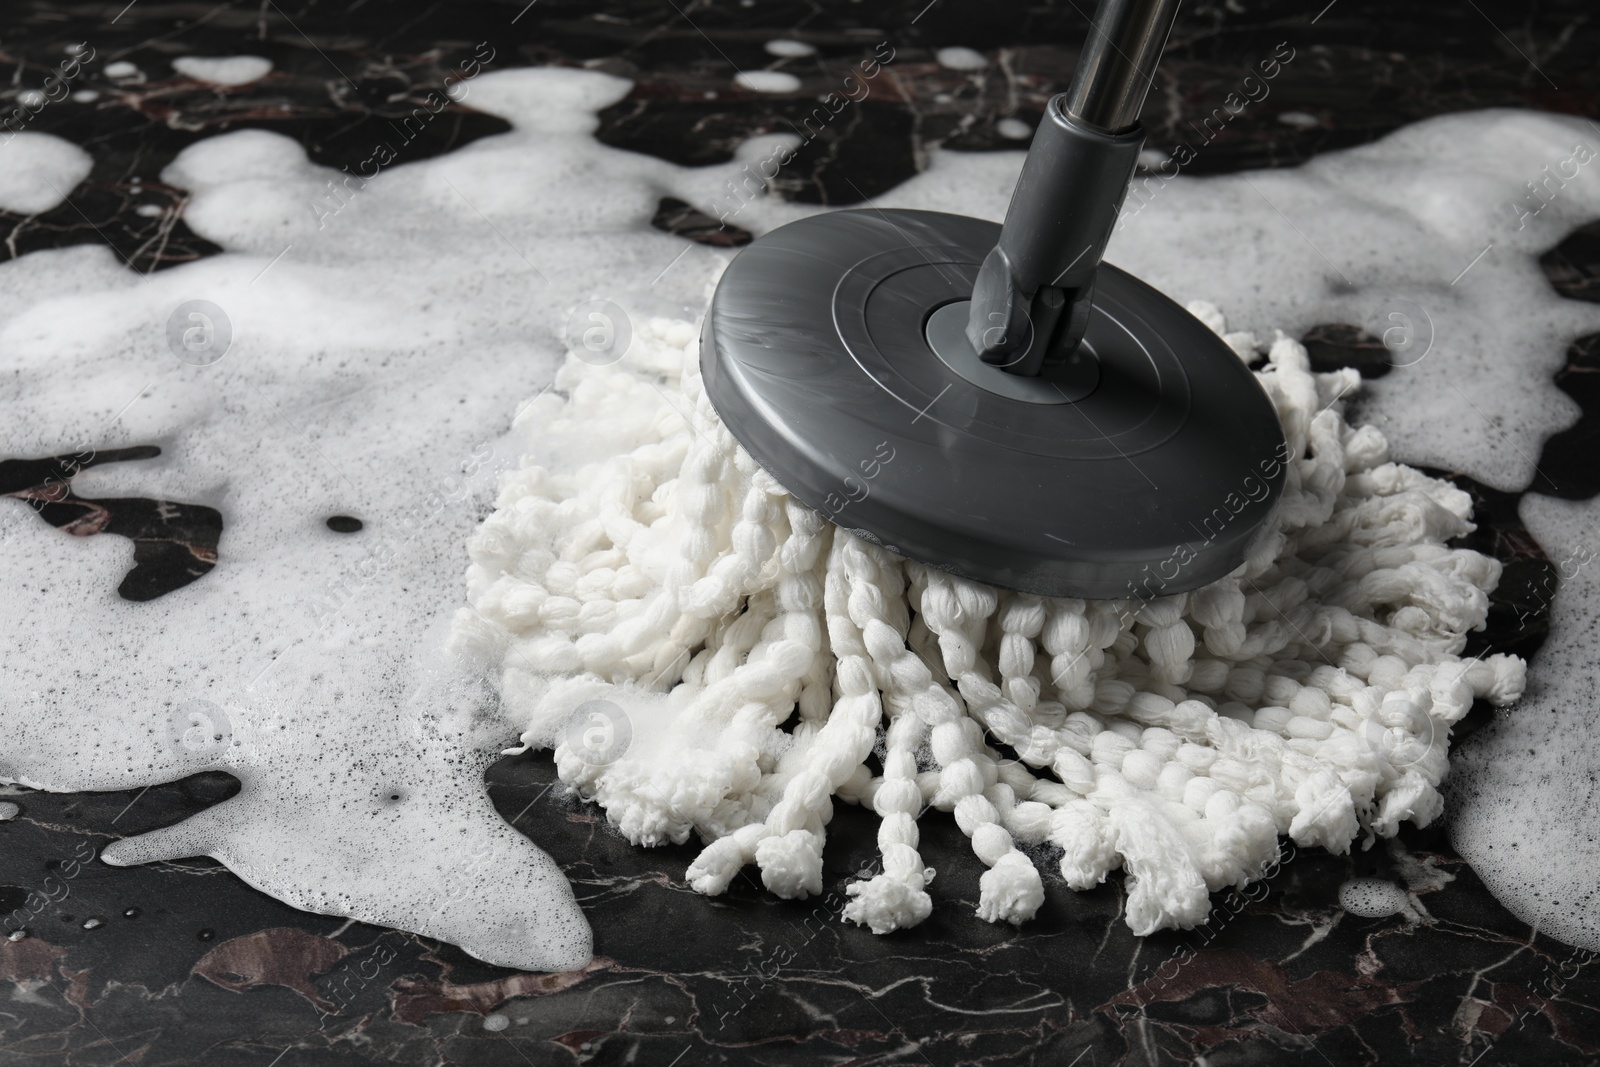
[{"x": 962, "y": 500}]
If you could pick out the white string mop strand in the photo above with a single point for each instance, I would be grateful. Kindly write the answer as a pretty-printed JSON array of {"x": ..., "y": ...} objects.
[{"x": 761, "y": 655}]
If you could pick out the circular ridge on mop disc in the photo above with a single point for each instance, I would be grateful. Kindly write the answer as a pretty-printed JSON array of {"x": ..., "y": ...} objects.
[
  {"x": 752, "y": 656},
  {"x": 835, "y": 351}
]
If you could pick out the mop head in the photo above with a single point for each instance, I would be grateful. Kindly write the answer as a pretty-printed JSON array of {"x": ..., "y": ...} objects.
[{"x": 709, "y": 657}]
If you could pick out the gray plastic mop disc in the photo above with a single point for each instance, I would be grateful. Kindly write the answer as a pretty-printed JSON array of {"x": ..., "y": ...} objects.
[{"x": 1145, "y": 467}]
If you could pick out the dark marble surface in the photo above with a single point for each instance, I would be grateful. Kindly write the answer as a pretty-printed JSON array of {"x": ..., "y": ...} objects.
[{"x": 179, "y": 963}]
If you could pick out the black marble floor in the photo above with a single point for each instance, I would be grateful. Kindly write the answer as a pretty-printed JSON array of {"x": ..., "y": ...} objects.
[{"x": 181, "y": 963}]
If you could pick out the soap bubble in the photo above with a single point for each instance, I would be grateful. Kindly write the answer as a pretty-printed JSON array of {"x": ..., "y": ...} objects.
[
  {"x": 959, "y": 57},
  {"x": 495, "y": 1022},
  {"x": 598, "y": 732},
  {"x": 1013, "y": 129},
  {"x": 391, "y": 796},
  {"x": 199, "y": 332},
  {"x": 199, "y": 727},
  {"x": 1405, "y": 329},
  {"x": 789, "y": 49},
  {"x": 1372, "y": 898},
  {"x": 598, "y": 332}
]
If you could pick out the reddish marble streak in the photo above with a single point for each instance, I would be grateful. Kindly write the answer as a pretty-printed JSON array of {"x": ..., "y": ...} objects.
[
  {"x": 415, "y": 1000},
  {"x": 29, "y": 960},
  {"x": 281, "y": 956},
  {"x": 1317, "y": 1003},
  {"x": 31, "y": 963},
  {"x": 1509, "y": 1006}
]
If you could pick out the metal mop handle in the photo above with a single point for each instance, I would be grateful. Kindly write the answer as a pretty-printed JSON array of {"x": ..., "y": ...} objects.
[
  {"x": 1039, "y": 280},
  {"x": 1119, "y": 63}
]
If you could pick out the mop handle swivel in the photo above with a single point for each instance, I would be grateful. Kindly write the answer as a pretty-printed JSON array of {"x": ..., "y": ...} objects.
[{"x": 1031, "y": 301}]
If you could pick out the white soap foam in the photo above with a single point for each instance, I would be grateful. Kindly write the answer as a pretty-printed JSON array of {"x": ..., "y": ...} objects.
[
  {"x": 1525, "y": 789},
  {"x": 789, "y": 49},
  {"x": 39, "y": 171},
  {"x": 1013, "y": 129},
  {"x": 8, "y": 811},
  {"x": 382, "y": 354},
  {"x": 1373, "y": 898},
  {"x": 961, "y": 58},
  {"x": 767, "y": 81},
  {"x": 368, "y": 373},
  {"x": 223, "y": 70}
]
